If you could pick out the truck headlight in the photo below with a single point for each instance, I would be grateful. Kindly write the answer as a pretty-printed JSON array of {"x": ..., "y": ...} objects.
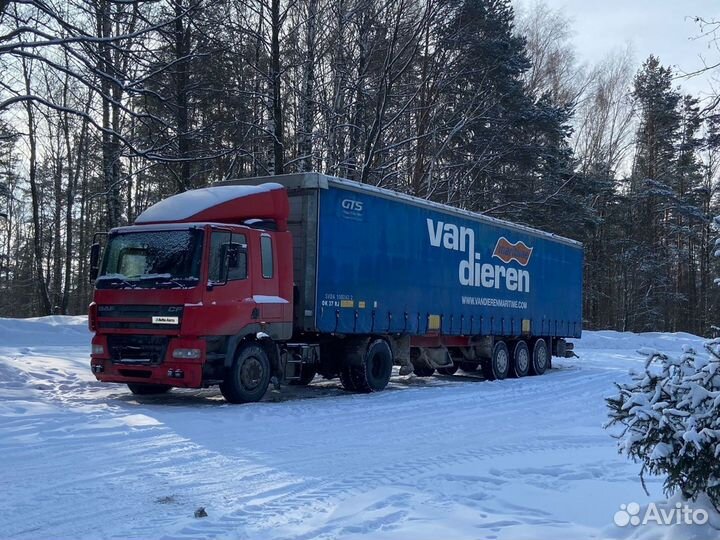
[
  {"x": 98, "y": 349},
  {"x": 186, "y": 353}
]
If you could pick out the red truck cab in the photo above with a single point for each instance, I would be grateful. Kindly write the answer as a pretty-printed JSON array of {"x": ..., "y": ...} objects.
[{"x": 177, "y": 291}]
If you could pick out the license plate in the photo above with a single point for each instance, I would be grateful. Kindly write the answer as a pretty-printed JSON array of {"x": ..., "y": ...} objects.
[
  {"x": 133, "y": 361},
  {"x": 165, "y": 320}
]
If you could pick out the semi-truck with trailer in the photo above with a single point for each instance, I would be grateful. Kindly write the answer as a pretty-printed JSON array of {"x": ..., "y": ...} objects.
[{"x": 278, "y": 279}]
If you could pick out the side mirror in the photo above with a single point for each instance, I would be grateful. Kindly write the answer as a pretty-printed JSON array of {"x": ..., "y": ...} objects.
[
  {"x": 229, "y": 261},
  {"x": 94, "y": 261},
  {"x": 233, "y": 256}
]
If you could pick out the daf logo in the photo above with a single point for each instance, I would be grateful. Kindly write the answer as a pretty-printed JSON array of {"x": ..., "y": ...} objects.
[{"x": 352, "y": 205}]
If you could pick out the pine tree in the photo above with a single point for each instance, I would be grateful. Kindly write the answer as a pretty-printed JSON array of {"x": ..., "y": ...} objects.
[
  {"x": 669, "y": 420},
  {"x": 648, "y": 290}
]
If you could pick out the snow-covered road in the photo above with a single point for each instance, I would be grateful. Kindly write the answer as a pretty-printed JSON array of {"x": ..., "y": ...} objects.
[{"x": 438, "y": 458}]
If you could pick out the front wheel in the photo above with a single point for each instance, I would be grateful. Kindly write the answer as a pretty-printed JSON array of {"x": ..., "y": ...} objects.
[
  {"x": 140, "y": 389},
  {"x": 248, "y": 378}
]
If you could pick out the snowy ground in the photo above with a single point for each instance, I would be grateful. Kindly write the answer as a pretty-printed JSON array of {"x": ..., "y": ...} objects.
[{"x": 438, "y": 458}]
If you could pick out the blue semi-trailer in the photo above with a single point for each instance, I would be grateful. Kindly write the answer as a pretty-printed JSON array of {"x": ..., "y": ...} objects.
[{"x": 301, "y": 274}]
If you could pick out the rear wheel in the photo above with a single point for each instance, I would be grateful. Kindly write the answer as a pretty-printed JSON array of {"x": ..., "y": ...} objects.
[
  {"x": 521, "y": 360},
  {"x": 367, "y": 369},
  {"x": 147, "y": 389},
  {"x": 540, "y": 357},
  {"x": 249, "y": 377},
  {"x": 498, "y": 366}
]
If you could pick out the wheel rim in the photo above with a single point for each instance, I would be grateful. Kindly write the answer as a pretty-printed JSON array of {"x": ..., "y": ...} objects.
[
  {"x": 523, "y": 360},
  {"x": 251, "y": 373},
  {"x": 542, "y": 358},
  {"x": 501, "y": 361}
]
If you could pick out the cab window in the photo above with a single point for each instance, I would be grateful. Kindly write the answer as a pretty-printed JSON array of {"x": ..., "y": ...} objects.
[
  {"x": 267, "y": 256},
  {"x": 228, "y": 253}
]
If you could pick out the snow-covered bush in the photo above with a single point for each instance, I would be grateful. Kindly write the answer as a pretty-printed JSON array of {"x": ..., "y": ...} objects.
[{"x": 669, "y": 420}]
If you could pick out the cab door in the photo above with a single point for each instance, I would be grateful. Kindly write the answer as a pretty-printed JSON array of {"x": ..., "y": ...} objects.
[{"x": 228, "y": 294}]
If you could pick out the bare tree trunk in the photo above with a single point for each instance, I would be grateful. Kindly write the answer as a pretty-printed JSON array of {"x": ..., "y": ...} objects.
[
  {"x": 110, "y": 120},
  {"x": 45, "y": 305},
  {"x": 182, "y": 51},
  {"x": 56, "y": 291},
  {"x": 73, "y": 176},
  {"x": 84, "y": 233},
  {"x": 349, "y": 163},
  {"x": 422, "y": 122},
  {"x": 277, "y": 110},
  {"x": 335, "y": 145},
  {"x": 307, "y": 102}
]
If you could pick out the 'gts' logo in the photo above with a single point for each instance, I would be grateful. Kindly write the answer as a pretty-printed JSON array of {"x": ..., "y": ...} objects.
[
  {"x": 352, "y": 205},
  {"x": 352, "y": 210}
]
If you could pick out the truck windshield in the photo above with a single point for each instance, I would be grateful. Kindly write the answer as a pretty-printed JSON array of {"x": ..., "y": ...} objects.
[{"x": 152, "y": 259}]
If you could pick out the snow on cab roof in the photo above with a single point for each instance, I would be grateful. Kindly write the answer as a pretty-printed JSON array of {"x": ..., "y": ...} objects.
[{"x": 189, "y": 203}]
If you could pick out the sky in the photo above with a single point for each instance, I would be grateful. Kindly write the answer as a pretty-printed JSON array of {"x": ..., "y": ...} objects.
[{"x": 665, "y": 28}]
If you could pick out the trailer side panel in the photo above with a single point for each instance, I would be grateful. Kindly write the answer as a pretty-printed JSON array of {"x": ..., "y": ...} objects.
[{"x": 388, "y": 266}]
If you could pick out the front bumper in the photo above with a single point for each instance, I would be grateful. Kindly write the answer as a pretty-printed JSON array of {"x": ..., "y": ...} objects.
[{"x": 178, "y": 372}]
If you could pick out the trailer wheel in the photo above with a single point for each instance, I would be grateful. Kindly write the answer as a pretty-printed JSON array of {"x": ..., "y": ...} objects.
[
  {"x": 521, "y": 360},
  {"x": 423, "y": 371},
  {"x": 248, "y": 378},
  {"x": 540, "y": 357},
  {"x": 372, "y": 373},
  {"x": 140, "y": 389},
  {"x": 448, "y": 370},
  {"x": 469, "y": 367},
  {"x": 498, "y": 366}
]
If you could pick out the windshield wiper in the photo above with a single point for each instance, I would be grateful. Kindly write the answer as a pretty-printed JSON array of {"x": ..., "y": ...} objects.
[
  {"x": 164, "y": 281},
  {"x": 115, "y": 282}
]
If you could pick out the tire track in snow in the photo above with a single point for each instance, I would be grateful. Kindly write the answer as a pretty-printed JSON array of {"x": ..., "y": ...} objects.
[
  {"x": 294, "y": 505},
  {"x": 244, "y": 486}
]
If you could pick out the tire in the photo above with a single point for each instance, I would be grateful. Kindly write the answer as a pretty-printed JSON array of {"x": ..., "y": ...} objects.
[
  {"x": 423, "y": 371},
  {"x": 520, "y": 365},
  {"x": 498, "y": 366},
  {"x": 540, "y": 357},
  {"x": 469, "y": 367},
  {"x": 330, "y": 354},
  {"x": 140, "y": 389},
  {"x": 248, "y": 378},
  {"x": 448, "y": 370},
  {"x": 347, "y": 378},
  {"x": 307, "y": 374},
  {"x": 372, "y": 372}
]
